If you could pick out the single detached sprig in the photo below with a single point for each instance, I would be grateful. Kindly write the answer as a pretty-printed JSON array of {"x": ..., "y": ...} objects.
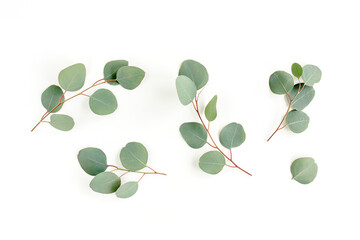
[
  {"x": 133, "y": 157},
  {"x": 101, "y": 102},
  {"x": 193, "y": 76},
  {"x": 298, "y": 95}
]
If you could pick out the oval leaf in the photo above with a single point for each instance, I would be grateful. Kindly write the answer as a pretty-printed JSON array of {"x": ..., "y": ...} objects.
[
  {"x": 72, "y": 78},
  {"x": 212, "y": 162},
  {"x": 232, "y": 135},
  {"x": 311, "y": 75},
  {"x": 127, "y": 190},
  {"x": 297, "y": 121},
  {"x": 50, "y": 98},
  {"x": 210, "y": 110},
  {"x": 134, "y": 156},
  {"x": 111, "y": 68},
  {"x": 195, "y": 71},
  {"x": 130, "y": 77},
  {"x": 92, "y": 160},
  {"x": 186, "y": 89},
  {"x": 304, "y": 170},
  {"x": 296, "y": 70},
  {"x": 281, "y": 82},
  {"x": 194, "y": 134},
  {"x": 105, "y": 182},
  {"x": 62, "y": 122},
  {"x": 103, "y": 102},
  {"x": 303, "y": 98}
]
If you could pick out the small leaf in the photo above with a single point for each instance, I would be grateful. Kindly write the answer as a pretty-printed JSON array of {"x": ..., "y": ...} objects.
[
  {"x": 297, "y": 121},
  {"x": 210, "y": 110},
  {"x": 296, "y": 70},
  {"x": 111, "y": 68},
  {"x": 186, "y": 89},
  {"x": 212, "y": 162},
  {"x": 92, "y": 160},
  {"x": 127, "y": 190},
  {"x": 303, "y": 98},
  {"x": 62, "y": 122},
  {"x": 72, "y": 78},
  {"x": 134, "y": 156},
  {"x": 105, "y": 182},
  {"x": 232, "y": 135},
  {"x": 195, "y": 71},
  {"x": 304, "y": 170},
  {"x": 311, "y": 75},
  {"x": 281, "y": 82},
  {"x": 103, "y": 102},
  {"x": 51, "y": 97},
  {"x": 130, "y": 77},
  {"x": 194, "y": 134}
]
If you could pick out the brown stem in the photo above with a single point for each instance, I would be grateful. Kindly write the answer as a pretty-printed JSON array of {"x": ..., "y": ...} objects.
[{"x": 126, "y": 170}]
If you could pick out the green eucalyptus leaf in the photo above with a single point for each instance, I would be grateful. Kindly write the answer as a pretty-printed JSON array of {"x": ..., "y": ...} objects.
[
  {"x": 72, "y": 78},
  {"x": 194, "y": 134},
  {"x": 232, "y": 135},
  {"x": 105, "y": 182},
  {"x": 62, "y": 122},
  {"x": 130, "y": 77},
  {"x": 210, "y": 110},
  {"x": 103, "y": 102},
  {"x": 92, "y": 160},
  {"x": 304, "y": 170},
  {"x": 186, "y": 89},
  {"x": 212, "y": 162},
  {"x": 303, "y": 98},
  {"x": 311, "y": 75},
  {"x": 296, "y": 70},
  {"x": 111, "y": 68},
  {"x": 297, "y": 121},
  {"x": 195, "y": 71},
  {"x": 50, "y": 98},
  {"x": 281, "y": 82},
  {"x": 134, "y": 156},
  {"x": 127, "y": 190}
]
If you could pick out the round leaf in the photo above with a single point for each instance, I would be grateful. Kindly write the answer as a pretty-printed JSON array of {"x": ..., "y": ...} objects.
[
  {"x": 72, "y": 78},
  {"x": 212, "y": 162},
  {"x": 296, "y": 70},
  {"x": 303, "y": 98},
  {"x": 103, "y": 102},
  {"x": 194, "y": 134},
  {"x": 210, "y": 110},
  {"x": 134, "y": 156},
  {"x": 297, "y": 121},
  {"x": 62, "y": 122},
  {"x": 92, "y": 160},
  {"x": 195, "y": 71},
  {"x": 304, "y": 170},
  {"x": 127, "y": 190},
  {"x": 232, "y": 135},
  {"x": 311, "y": 75},
  {"x": 51, "y": 97},
  {"x": 105, "y": 182},
  {"x": 111, "y": 68},
  {"x": 186, "y": 89},
  {"x": 281, "y": 82},
  {"x": 130, "y": 77}
]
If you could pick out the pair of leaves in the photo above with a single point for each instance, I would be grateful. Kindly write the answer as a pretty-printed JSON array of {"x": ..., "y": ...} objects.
[{"x": 304, "y": 170}]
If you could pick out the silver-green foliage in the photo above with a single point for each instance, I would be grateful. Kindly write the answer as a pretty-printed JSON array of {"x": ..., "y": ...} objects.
[
  {"x": 304, "y": 170},
  {"x": 101, "y": 102},
  {"x": 133, "y": 157}
]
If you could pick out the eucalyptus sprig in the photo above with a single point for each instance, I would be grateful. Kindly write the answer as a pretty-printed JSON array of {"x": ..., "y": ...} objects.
[
  {"x": 298, "y": 94},
  {"x": 193, "y": 76},
  {"x": 133, "y": 157},
  {"x": 101, "y": 102}
]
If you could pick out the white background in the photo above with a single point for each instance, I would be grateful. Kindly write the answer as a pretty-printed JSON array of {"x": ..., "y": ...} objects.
[{"x": 45, "y": 193}]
